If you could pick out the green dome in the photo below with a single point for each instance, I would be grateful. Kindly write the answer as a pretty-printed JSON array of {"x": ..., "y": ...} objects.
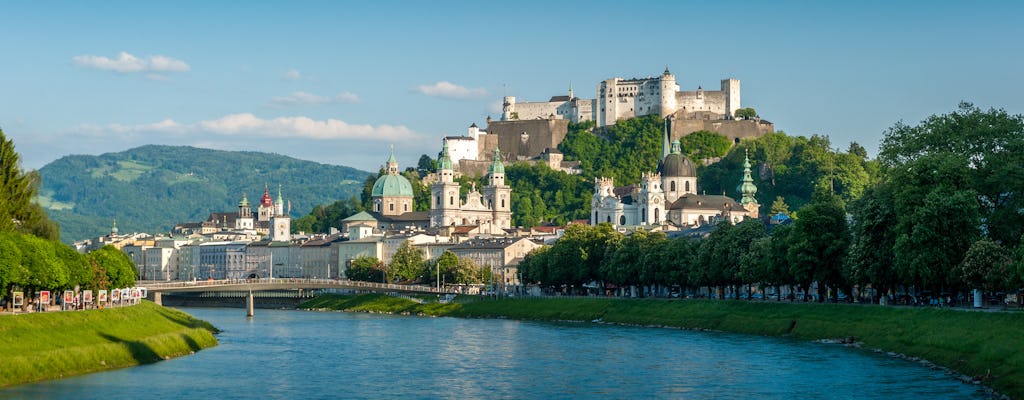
[{"x": 391, "y": 185}]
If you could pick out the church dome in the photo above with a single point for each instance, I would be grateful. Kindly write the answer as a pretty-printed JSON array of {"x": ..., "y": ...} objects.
[
  {"x": 677, "y": 165},
  {"x": 389, "y": 185}
]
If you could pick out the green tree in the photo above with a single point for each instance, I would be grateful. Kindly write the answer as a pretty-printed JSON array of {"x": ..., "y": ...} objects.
[
  {"x": 870, "y": 259},
  {"x": 366, "y": 269},
  {"x": 705, "y": 144},
  {"x": 987, "y": 266},
  {"x": 779, "y": 206},
  {"x": 991, "y": 145},
  {"x": 12, "y": 271},
  {"x": 406, "y": 264},
  {"x": 426, "y": 165},
  {"x": 119, "y": 268},
  {"x": 18, "y": 189},
  {"x": 818, "y": 245},
  {"x": 745, "y": 113}
]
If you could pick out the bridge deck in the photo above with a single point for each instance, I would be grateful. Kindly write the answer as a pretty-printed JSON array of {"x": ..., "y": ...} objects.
[{"x": 279, "y": 284}]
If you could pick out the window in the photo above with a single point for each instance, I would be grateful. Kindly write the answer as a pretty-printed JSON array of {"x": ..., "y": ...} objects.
[
  {"x": 657, "y": 215},
  {"x": 672, "y": 186},
  {"x": 643, "y": 215},
  {"x": 391, "y": 206},
  {"x": 622, "y": 220},
  {"x": 687, "y": 186},
  {"x": 451, "y": 200},
  {"x": 405, "y": 207},
  {"x": 608, "y": 219},
  {"x": 502, "y": 203}
]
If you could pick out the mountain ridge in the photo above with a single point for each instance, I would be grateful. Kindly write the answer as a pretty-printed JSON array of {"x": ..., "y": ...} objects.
[{"x": 152, "y": 187}]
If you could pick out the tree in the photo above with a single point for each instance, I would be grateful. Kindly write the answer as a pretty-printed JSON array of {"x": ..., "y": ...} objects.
[
  {"x": 18, "y": 189},
  {"x": 12, "y": 271},
  {"x": 991, "y": 147},
  {"x": 427, "y": 165},
  {"x": 779, "y": 206},
  {"x": 871, "y": 256},
  {"x": 705, "y": 144},
  {"x": 745, "y": 113},
  {"x": 446, "y": 265},
  {"x": 818, "y": 245},
  {"x": 119, "y": 268},
  {"x": 987, "y": 266},
  {"x": 406, "y": 264},
  {"x": 949, "y": 219},
  {"x": 366, "y": 269}
]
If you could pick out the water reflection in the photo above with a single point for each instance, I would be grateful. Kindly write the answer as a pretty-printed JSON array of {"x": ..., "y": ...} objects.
[{"x": 295, "y": 354}]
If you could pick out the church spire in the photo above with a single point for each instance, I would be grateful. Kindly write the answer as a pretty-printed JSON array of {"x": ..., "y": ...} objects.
[
  {"x": 113, "y": 229},
  {"x": 392, "y": 162},
  {"x": 497, "y": 167},
  {"x": 746, "y": 187},
  {"x": 445, "y": 161}
]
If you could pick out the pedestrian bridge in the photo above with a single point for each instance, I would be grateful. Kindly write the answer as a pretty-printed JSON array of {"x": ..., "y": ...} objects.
[
  {"x": 259, "y": 284},
  {"x": 155, "y": 289}
]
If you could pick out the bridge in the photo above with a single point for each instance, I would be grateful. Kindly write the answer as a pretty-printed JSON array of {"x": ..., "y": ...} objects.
[{"x": 157, "y": 288}]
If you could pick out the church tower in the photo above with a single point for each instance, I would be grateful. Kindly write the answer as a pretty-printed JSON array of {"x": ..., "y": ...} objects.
[
  {"x": 280, "y": 223},
  {"x": 498, "y": 195},
  {"x": 266, "y": 208},
  {"x": 444, "y": 194},
  {"x": 747, "y": 189},
  {"x": 244, "y": 220},
  {"x": 652, "y": 205}
]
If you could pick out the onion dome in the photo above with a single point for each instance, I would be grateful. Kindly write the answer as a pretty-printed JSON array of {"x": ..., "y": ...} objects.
[
  {"x": 445, "y": 161},
  {"x": 676, "y": 164},
  {"x": 746, "y": 187},
  {"x": 497, "y": 167},
  {"x": 266, "y": 201},
  {"x": 244, "y": 202}
]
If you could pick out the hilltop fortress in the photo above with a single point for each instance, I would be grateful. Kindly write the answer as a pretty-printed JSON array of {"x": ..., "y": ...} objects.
[{"x": 533, "y": 130}]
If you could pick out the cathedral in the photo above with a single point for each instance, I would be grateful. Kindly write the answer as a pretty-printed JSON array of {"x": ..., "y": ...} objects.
[
  {"x": 492, "y": 208},
  {"x": 668, "y": 198}
]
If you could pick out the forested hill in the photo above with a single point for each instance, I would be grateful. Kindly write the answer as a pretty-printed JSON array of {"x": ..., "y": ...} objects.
[{"x": 151, "y": 188}]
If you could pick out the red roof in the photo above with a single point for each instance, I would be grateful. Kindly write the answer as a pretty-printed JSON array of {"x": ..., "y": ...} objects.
[{"x": 266, "y": 201}]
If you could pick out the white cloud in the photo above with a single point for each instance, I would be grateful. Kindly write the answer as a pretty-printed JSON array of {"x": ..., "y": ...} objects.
[
  {"x": 292, "y": 75},
  {"x": 452, "y": 91},
  {"x": 309, "y": 98},
  {"x": 251, "y": 125},
  {"x": 127, "y": 63}
]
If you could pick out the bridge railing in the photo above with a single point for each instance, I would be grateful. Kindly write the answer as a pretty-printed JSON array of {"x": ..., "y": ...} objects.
[{"x": 297, "y": 282}]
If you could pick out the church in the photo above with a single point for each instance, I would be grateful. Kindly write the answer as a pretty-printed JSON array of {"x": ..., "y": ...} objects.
[
  {"x": 668, "y": 198},
  {"x": 489, "y": 210}
]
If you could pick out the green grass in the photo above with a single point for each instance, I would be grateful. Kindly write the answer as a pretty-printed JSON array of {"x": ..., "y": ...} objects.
[
  {"x": 35, "y": 347},
  {"x": 972, "y": 343}
]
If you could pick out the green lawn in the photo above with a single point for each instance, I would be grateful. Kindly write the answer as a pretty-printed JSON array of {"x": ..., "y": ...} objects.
[
  {"x": 973, "y": 343},
  {"x": 42, "y": 346}
]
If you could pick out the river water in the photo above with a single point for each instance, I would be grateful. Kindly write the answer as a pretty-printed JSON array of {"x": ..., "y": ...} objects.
[{"x": 327, "y": 355}]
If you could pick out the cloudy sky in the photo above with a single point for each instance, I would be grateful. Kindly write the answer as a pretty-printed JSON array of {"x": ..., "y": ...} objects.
[{"x": 339, "y": 82}]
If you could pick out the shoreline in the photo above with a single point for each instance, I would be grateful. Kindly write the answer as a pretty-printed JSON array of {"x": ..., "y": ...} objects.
[
  {"x": 953, "y": 338},
  {"x": 37, "y": 347}
]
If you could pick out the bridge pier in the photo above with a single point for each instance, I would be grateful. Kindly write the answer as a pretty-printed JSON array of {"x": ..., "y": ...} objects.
[
  {"x": 158, "y": 298},
  {"x": 250, "y": 305}
]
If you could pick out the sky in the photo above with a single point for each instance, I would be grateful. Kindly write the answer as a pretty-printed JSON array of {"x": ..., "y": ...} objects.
[{"x": 340, "y": 82}]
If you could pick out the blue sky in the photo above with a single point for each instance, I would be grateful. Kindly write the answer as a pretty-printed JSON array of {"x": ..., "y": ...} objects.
[{"x": 339, "y": 83}]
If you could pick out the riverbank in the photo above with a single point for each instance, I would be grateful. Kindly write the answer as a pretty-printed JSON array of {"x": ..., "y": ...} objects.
[
  {"x": 40, "y": 346},
  {"x": 985, "y": 345}
]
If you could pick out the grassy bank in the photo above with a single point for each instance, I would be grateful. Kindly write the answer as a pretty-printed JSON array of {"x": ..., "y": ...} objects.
[
  {"x": 35, "y": 347},
  {"x": 973, "y": 343}
]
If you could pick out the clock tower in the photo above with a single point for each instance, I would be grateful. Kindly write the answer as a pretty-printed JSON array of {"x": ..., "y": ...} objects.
[{"x": 281, "y": 222}]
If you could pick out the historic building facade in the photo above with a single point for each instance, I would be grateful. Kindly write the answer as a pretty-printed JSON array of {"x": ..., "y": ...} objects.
[
  {"x": 668, "y": 198},
  {"x": 492, "y": 207}
]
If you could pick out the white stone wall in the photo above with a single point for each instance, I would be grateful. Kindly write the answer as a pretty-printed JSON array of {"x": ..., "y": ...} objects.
[{"x": 462, "y": 148}]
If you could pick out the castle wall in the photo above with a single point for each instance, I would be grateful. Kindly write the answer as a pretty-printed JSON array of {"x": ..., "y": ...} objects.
[
  {"x": 732, "y": 129},
  {"x": 712, "y": 101},
  {"x": 523, "y": 139}
]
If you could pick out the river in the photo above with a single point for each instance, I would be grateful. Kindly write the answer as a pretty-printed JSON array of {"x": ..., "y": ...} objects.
[{"x": 283, "y": 354}]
